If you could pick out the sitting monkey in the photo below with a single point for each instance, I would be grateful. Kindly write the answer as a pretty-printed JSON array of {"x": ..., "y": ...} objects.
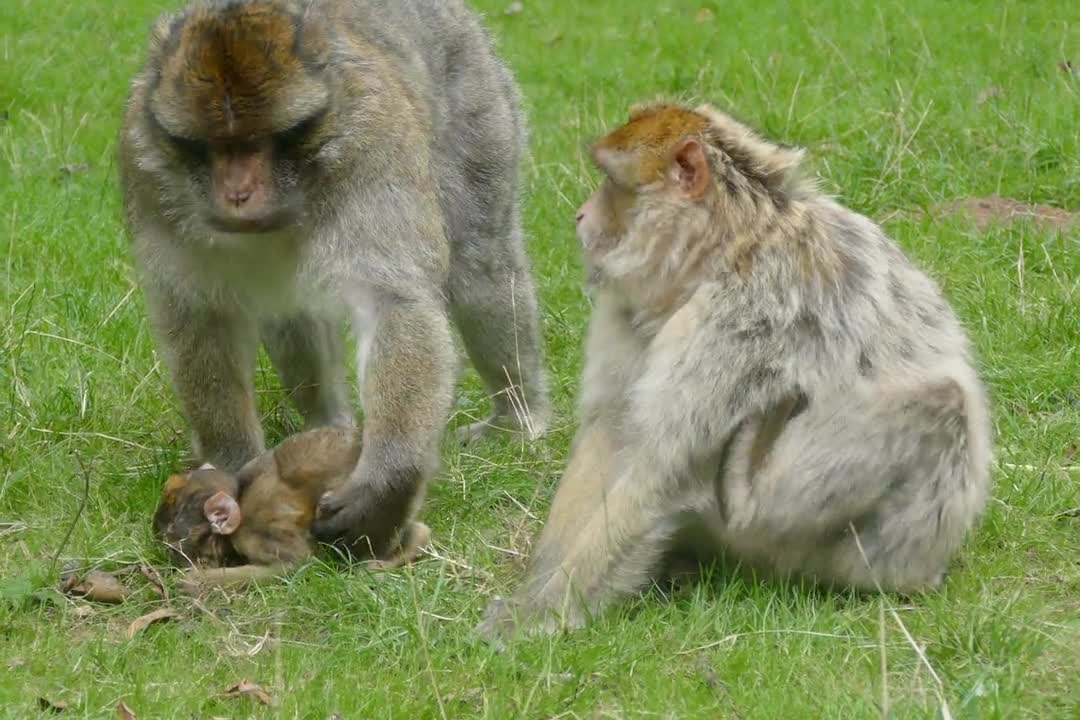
[
  {"x": 767, "y": 377},
  {"x": 255, "y": 524}
]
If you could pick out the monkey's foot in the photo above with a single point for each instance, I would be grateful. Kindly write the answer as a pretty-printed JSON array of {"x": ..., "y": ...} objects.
[
  {"x": 417, "y": 537},
  {"x": 532, "y": 426},
  {"x": 507, "y": 618}
]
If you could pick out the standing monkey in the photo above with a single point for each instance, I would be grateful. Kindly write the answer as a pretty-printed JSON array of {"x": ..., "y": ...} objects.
[
  {"x": 767, "y": 376},
  {"x": 289, "y": 164}
]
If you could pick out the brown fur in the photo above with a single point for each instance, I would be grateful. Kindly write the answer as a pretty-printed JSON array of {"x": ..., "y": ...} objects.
[
  {"x": 278, "y": 495},
  {"x": 229, "y": 74}
]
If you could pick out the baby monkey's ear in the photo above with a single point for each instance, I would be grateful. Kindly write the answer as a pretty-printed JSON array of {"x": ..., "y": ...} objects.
[
  {"x": 690, "y": 168},
  {"x": 223, "y": 513}
]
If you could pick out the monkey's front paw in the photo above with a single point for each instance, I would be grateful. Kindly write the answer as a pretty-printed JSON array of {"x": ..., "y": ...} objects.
[
  {"x": 499, "y": 623},
  {"x": 358, "y": 519},
  {"x": 339, "y": 513},
  {"x": 532, "y": 425},
  {"x": 507, "y": 618}
]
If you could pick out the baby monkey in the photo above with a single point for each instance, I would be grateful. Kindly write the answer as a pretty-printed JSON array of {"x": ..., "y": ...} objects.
[{"x": 232, "y": 529}]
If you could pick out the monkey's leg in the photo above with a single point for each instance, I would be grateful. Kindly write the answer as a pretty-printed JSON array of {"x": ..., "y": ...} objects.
[
  {"x": 308, "y": 354},
  {"x": 892, "y": 466},
  {"x": 211, "y": 355},
  {"x": 581, "y": 488},
  {"x": 603, "y": 538},
  {"x": 195, "y": 580},
  {"x": 407, "y": 393},
  {"x": 493, "y": 301}
]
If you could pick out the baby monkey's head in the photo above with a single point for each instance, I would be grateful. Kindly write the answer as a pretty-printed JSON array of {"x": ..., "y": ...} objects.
[
  {"x": 197, "y": 512},
  {"x": 678, "y": 183}
]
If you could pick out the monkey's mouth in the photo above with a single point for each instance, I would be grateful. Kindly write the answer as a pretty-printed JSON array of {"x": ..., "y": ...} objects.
[{"x": 253, "y": 225}]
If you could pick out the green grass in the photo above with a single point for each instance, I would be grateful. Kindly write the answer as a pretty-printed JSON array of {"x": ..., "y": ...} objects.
[{"x": 891, "y": 98}]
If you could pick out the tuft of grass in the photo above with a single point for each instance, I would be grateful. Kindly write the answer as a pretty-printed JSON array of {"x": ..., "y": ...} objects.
[{"x": 903, "y": 106}]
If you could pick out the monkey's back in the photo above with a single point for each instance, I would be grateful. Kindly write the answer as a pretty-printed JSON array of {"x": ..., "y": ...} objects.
[
  {"x": 463, "y": 95},
  {"x": 281, "y": 490}
]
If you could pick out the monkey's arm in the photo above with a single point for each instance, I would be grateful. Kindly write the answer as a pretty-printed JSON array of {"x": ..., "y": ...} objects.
[
  {"x": 196, "y": 580},
  {"x": 613, "y": 357},
  {"x": 407, "y": 393},
  {"x": 211, "y": 357},
  {"x": 703, "y": 374}
]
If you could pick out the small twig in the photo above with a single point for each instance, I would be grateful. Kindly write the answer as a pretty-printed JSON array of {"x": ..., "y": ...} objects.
[
  {"x": 528, "y": 513},
  {"x": 424, "y": 645},
  {"x": 78, "y": 514},
  {"x": 884, "y": 663},
  {"x": 1036, "y": 468},
  {"x": 778, "y": 631}
]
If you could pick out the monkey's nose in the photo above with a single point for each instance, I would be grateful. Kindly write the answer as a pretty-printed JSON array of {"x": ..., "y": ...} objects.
[
  {"x": 238, "y": 198},
  {"x": 580, "y": 216}
]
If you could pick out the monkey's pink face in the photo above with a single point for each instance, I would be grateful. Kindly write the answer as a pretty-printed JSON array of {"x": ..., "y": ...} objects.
[
  {"x": 602, "y": 220},
  {"x": 238, "y": 112}
]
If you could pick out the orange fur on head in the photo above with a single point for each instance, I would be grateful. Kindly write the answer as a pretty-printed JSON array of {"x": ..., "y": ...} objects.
[
  {"x": 639, "y": 152},
  {"x": 642, "y": 151}
]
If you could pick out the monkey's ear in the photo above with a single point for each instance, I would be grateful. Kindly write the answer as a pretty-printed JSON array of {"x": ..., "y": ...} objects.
[
  {"x": 690, "y": 168},
  {"x": 223, "y": 513}
]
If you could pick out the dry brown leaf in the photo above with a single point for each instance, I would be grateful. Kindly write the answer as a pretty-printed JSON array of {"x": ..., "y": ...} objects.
[
  {"x": 245, "y": 688},
  {"x": 149, "y": 619},
  {"x": 47, "y": 705},
  {"x": 96, "y": 585},
  {"x": 123, "y": 712},
  {"x": 126, "y": 570},
  {"x": 704, "y": 15}
]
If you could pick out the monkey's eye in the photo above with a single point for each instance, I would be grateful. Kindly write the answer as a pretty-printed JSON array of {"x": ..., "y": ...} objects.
[
  {"x": 194, "y": 150},
  {"x": 301, "y": 132}
]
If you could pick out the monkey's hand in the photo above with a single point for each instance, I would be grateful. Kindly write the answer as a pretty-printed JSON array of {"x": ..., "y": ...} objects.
[
  {"x": 507, "y": 618},
  {"x": 366, "y": 517}
]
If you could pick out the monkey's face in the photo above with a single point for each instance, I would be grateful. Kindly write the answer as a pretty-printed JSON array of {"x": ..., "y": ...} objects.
[
  {"x": 235, "y": 115},
  {"x": 605, "y": 217},
  {"x": 656, "y": 175},
  {"x": 194, "y": 517}
]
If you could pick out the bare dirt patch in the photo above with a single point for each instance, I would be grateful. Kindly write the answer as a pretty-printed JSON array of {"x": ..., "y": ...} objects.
[{"x": 996, "y": 210}]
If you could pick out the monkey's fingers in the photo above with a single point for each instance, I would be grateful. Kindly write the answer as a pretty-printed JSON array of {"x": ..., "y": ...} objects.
[
  {"x": 365, "y": 522},
  {"x": 335, "y": 514}
]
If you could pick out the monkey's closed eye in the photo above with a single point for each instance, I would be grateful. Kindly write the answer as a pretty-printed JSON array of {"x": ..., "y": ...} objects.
[
  {"x": 190, "y": 149},
  {"x": 302, "y": 131}
]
